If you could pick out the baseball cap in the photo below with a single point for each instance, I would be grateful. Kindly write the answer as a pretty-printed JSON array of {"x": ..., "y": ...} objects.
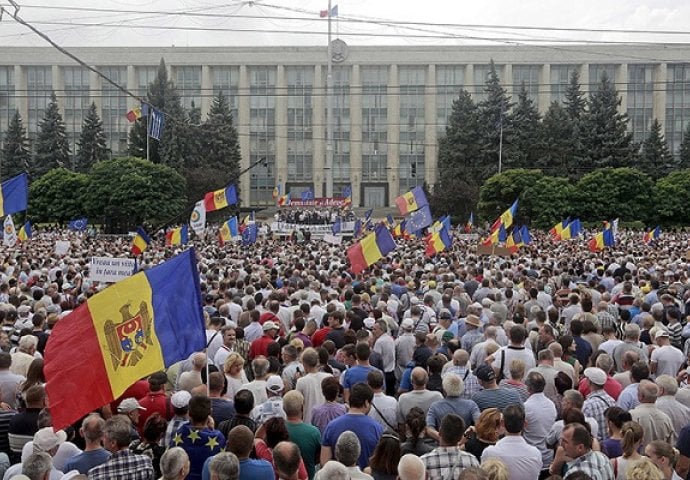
[
  {"x": 129, "y": 404},
  {"x": 595, "y": 375},
  {"x": 407, "y": 324},
  {"x": 270, "y": 325},
  {"x": 180, "y": 399},
  {"x": 274, "y": 384},
  {"x": 661, "y": 333},
  {"x": 485, "y": 373},
  {"x": 46, "y": 439}
]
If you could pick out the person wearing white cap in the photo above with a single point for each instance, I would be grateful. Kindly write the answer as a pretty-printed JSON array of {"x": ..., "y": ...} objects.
[
  {"x": 273, "y": 406},
  {"x": 665, "y": 359},
  {"x": 598, "y": 400},
  {"x": 46, "y": 441},
  {"x": 259, "y": 347},
  {"x": 130, "y": 407},
  {"x": 404, "y": 346},
  {"x": 180, "y": 404}
]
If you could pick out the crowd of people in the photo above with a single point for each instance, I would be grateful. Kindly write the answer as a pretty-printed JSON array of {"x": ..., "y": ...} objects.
[
  {"x": 314, "y": 216},
  {"x": 552, "y": 363}
]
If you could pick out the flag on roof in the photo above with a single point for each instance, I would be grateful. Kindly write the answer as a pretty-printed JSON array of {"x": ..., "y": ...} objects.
[
  {"x": 334, "y": 12},
  {"x": 134, "y": 114}
]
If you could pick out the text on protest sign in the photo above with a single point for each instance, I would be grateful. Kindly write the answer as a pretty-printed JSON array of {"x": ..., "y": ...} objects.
[{"x": 107, "y": 269}]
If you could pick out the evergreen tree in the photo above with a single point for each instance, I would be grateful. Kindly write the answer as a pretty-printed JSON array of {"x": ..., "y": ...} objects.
[
  {"x": 655, "y": 158},
  {"x": 606, "y": 139},
  {"x": 575, "y": 103},
  {"x": 460, "y": 171},
  {"x": 52, "y": 147},
  {"x": 162, "y": 94},
  {"x": 495, "y": 123},
  {"x": 92, "y": 142},
  {"x": 684, "y": 150},
  {"x": 557, "y": 134},
  {"x": 526, "y": 139},
  {"x": 16, "y": 156},
  {"x": 216, "y": 160}
]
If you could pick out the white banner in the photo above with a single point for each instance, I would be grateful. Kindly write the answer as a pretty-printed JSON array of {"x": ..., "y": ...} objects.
[
  {"x": 62, "y": 247},
  {"x": 198, "y": 218},
  {"x": 107, "y": 269},
  {"x": 332, "y": 239},
  {"x": 9, "y": 238}
]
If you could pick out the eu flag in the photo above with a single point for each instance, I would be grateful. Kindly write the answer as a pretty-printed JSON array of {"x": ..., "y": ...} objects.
[{"x": 78, "y": 224}]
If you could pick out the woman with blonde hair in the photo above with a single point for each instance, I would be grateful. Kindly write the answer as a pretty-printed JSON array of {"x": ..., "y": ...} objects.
[
  {"x": 517, "y": 375},
  {"x": 632, "y": 435},
  {"x": 485, "y": 433},
  {"x": 644, "y": 470},
  {"x": 663, "y": 456},
  {"x": 495, "y": 469},
  {"x": 234, "y": 374}
]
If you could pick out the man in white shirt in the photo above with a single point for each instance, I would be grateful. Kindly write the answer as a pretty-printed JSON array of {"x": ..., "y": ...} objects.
[
  {"x": 384, "y": 408},
  {"x": 540, "y": 414},
  {"x": 385, "y": 346},
  {"x": 516, "y": 350},
  {"x": 667, "y": 403},
  {"x": 610, "y": 342},
  {"x": 665, "y": 359},
  {"x": 522, "y": 459},
  {"x": 310, "y": 384}
]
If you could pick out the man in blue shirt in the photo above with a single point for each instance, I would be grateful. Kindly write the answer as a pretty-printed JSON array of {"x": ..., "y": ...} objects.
[
  {"x": 358, "y": 373},
  {"x": 357, "y": 420},
  {"x": 92, "y": 429},
  {"x": 241, "y": 442}
]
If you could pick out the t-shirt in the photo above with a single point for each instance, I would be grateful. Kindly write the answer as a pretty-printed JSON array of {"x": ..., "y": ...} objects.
[
  {"x": 496, "y": 398},
  {"x": 668, "y": 359},
  {"x": 367, "y": 429},
  {"x": 308, "y": 439},
  {"x": 512, "y": 353},
  {"x": 357, "y": 374},
  {"x": 250, "y": 469},
  {"x": 85, "y": 461},
  {"x": 199, "y": 445}
]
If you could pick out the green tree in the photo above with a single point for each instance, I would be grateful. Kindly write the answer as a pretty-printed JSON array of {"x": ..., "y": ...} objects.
[
  {"x": 526, "y": 138},
  {"x": 575, "y": 103},
  {"x": 674, "y": 189},
  {"x": 126, "y": 192},
  {"x": 500, "y": 191},
  {"x": 655, "y": 159},
  {"x": 557, "y": 133},
  {"x": 495, "y": 123},
  {"x": 16, "y": 156},
  {"x": 684, "y": 150},
  {"x": 614, "y": 192},
  {"x": 606, "y": 139},
  {"x": 92, "y": 141},
  {"x": 549, "y": 200},
  {"x": 58, "y": 196},
  {"x": 216, "y": 160},
  {"x": 52, "y": 147},
  {"x": 460, "y": 171}
]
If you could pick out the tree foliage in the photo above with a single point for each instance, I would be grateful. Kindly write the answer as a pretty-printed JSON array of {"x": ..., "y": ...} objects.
[
  {"x": 500, "y": 191},
  {"x": 525, "y": 139},
  {"x": 548, "y": 200},
  {"x": 58, "y": 196},
  {"x": 655, "y": 158},
  {"x": 52, "y": 147},
  {"x": 16, "y": 156},
  {"x": 684, "y": 153},
  {"x": 92, "y": 141},
  {"x": 495, "y": 123},
  {"x": 673, "y": 193},
  {"x": 125, "y": 192}
]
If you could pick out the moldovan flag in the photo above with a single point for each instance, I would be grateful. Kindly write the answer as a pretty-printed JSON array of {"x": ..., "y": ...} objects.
[
  {"x": 177, "y": 236},
  {"x": 370, "y": 249},
  {"x": 25, "y": 233},
  {"x": 141, "y": 242},
  {"x": 437, "y": 242},
  {"x": 220, "y": 198},
  {"x": 228, "y": 230},
  {"x": 134, "y": 328},
  {"x": 14, "y": 195},
  {"x": 651, "y": 235},
  {"x": 411, "y": 201}
]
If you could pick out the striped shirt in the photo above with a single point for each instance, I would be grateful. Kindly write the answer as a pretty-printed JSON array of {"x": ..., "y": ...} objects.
[{"x": 496, "y": 398}]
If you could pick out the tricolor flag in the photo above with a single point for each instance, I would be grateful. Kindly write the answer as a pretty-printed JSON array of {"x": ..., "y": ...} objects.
[
  {"x": 220, "y": 198},
  {"x": 14, "y": 195},
  {"x": 134, "y": 114},
  {"x": 141, "y": 242},
  {"x": 438, "y": 240},
  {"x": 228, "y": 230},
  {"x": 370, "y": 249},
  {"x": 284, "y": 200},
  {"x": 334, "y": 12},
  {"x": 411, "y": 201},
  {"x": 508, "y": 216},
  {"x": 572, "y": 230},
  {"x": 602, "y": 239},
  {"x": 134, "y": 328},
  {"x": 651, "y": 235},
  {"x": 25, "y": 233},
  {"x": 514, "y": 240},
  {"x": 177, "y": 236},
  {"x": 557, "y": 229},
  {"x": 470, "y": 223}
]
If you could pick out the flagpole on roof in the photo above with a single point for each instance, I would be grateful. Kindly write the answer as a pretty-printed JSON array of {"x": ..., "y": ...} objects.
[
  {"x": 329, "y": 113},
  {"x": 147, "y": 135}
]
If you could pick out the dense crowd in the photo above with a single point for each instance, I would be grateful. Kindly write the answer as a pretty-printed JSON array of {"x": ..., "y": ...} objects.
[
  {"x": 552, "y": 363},
  {"x": 313, "y": 216}
]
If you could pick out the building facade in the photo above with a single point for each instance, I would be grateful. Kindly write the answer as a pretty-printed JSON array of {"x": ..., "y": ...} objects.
[{"x": 390, "y": 104}]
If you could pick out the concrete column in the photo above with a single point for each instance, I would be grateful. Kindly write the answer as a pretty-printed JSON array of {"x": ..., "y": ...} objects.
[
  {"x": 584, "y": 77},
  {"x": 242, "y": 123},
  {"x": 393, "y": 160},
  {"x": 21, "y": 100},
  {"x": 356, "y": 135},
  {"x": 506, "y": 78},
  {"x": 430, "y": 164},
  {"x": 469, "y": 78},
  {"x": 281, "y": 124},
  {"x": 206, "y": 90},
  {"x": 59, "y": 88},
  {"x": 621, "y": 84},
  {"x": 319, "y": 129},
  {"x": 660, "y": 74},
  {"x": 95, "y": 92},
  {"x": 544, "y": 99},
  {"x": 132, "y": 85}
]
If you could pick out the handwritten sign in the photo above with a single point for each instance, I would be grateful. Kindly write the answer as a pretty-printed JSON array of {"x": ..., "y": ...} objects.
[{"x": 106, "y": 269}]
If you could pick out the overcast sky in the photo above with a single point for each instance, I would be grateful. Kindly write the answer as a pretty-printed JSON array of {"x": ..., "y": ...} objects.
[{"x": 360, "y": 22}]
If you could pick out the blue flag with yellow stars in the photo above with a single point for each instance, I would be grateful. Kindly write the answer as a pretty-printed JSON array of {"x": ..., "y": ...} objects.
[{"x": 199, "y": 443}]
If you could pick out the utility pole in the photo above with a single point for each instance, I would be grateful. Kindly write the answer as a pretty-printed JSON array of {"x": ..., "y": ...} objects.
[{"x": 328, "y": 167}]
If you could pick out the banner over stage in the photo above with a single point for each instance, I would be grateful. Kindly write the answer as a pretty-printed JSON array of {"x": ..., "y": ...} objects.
[{"x": 318, "y": 202}]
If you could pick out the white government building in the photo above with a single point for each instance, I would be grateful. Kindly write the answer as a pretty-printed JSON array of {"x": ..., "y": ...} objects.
[{"x": 391, "y": 103}]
